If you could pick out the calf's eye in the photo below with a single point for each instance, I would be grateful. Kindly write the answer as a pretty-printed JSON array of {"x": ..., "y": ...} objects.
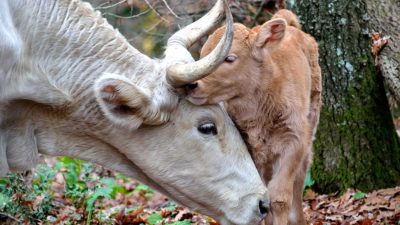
[
  {"x": 208, "y": 128},
  {"x": 230, "y": 58}
]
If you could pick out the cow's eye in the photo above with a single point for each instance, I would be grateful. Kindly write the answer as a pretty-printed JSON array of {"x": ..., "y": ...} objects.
[
  {"x": 208, "y": 128},
  {"x": 230, "y": 58}
]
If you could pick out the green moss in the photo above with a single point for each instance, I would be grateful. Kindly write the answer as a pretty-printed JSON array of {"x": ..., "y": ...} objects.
[{"x": 356, "y": 143}]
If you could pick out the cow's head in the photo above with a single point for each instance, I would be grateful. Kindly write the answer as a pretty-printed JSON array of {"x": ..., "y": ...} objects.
[
  {"x": 241, "y": 68},
  {"x": 193, "y": 154}
]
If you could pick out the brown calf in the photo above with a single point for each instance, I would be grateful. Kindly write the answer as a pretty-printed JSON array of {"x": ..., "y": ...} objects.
[{"x": 271, "y": 86}]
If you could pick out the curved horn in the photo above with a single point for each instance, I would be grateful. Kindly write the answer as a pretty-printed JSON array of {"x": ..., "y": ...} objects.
[{"x": 181, "y": 74}]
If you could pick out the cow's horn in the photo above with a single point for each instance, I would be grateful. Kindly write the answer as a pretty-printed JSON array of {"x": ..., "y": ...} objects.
[{"x": 181, "y": 74}]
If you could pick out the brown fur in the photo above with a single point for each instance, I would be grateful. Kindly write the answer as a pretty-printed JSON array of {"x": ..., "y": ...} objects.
[{"x": 273, "y": 93}]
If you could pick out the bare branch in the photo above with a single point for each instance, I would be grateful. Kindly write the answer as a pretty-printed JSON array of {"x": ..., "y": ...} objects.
[
  {"x": 11, "y": 217},
  {"x": 110, "y": 6},
  {"x": 169, "y": 8},
  {"x": 259, "y": 11},
  {"x": 104, "y": 3},
  {"x": 158, "y": 14},
  {"x": 153, "y": 27},
  {"x": 127, "y": 17}
]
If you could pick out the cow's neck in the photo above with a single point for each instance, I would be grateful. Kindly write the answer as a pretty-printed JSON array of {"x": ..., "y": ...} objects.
[
  {"x": 65, "y": 50},
  {"x": 246, "y": 110},
  {"x": 66, "y": 47}
]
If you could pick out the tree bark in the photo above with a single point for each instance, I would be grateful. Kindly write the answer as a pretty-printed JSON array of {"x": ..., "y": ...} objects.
[
  {"x": 385, "y": 18},
  {"x": 356, "y": 144}
]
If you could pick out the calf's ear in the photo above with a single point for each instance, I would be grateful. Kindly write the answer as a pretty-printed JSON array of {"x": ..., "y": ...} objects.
[
  {"x": 270, "y": 33},
  {"x": 121, "y": 100}
]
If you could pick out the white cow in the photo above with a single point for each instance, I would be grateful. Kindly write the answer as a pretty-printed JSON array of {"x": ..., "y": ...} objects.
[{"x": 71, "y": 85}]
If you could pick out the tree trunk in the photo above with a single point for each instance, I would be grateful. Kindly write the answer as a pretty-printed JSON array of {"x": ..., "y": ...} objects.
[
  {"x": 385, "y": 18},
  {"x": 356, "y": 144}
]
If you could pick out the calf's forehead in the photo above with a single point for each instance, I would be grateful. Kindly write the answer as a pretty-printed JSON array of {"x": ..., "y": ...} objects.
[{"x": 241, "y": 39}]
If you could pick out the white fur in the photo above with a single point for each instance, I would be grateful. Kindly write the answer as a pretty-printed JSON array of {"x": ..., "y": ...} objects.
[{"x": 62, "y": 53}]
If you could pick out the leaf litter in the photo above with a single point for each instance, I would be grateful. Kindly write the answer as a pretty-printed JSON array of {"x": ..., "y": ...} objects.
[
  {"x": 127, "y": 202},
  {"x": 353, "y": 207}
]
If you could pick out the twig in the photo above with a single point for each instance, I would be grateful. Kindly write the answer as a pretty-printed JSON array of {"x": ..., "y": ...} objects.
[
  {"x": 154, "y": 33},
  {"x": 126, "y": 17},
  {"x": 169, "y": 8},
  {"x": 153, "y": 27},
  {"x": 158, "y": 14},
  {"x": 258, "y": 13},
  {"x": 111, "y": 6},
  {"x": 104, "y": 3},
  {"x": 11, "y": 217}
]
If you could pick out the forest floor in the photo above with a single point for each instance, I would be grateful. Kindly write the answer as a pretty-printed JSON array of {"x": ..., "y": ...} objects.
[
  {"x": 74, "y": 192},
  {"x": 353, "y": 207}
]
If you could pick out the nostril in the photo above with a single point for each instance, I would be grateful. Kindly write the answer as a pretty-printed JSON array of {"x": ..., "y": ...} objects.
[
  {"x": 192, "y": 86},
  {"x": 264, "y": 207}
]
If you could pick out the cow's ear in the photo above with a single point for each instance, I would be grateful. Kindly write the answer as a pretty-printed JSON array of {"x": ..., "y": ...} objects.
[
  {"x": 270, "y": 33},
  {"x": 121, "y": 101}
]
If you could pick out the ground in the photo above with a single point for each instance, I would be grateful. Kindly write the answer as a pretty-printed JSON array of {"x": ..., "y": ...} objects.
[{"x": 66, "y": 191}]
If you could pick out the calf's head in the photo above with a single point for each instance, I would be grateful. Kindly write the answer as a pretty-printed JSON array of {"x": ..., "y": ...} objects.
[{"x": 241, "y": 68}]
